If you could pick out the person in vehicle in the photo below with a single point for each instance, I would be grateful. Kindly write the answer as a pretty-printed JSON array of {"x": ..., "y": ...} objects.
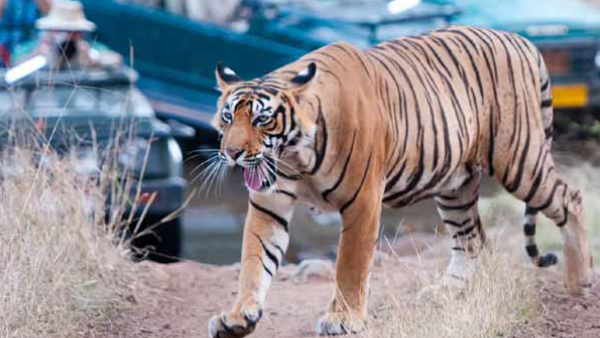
[
  {"x": 62, "y": 40},
  {"x": 17, "y": 18},
  {"x": 226, "y": 13},
  {"x": 216, "y": 12}
]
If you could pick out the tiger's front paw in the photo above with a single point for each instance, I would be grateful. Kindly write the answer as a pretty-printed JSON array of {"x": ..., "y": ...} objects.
[
  {"x": 338, "y": 323},
  {"x": 237, "y": 323}
]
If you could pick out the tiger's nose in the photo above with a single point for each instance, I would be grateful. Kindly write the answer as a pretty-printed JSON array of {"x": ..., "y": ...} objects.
[{"x": 234, "y": 153}]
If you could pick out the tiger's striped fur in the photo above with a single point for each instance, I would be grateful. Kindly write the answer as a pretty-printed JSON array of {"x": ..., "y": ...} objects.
[{"x": 413, "y": 118}]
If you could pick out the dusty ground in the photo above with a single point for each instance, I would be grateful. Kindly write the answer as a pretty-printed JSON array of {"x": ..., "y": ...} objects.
[
  {"x": 185, "y": 295},
  {"x": 567, "y": 316}
]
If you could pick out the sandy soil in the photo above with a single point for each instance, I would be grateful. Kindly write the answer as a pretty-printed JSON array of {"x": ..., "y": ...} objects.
[
  {"x": 185, "y": 295},
  {"x": 564, "y": 315}
]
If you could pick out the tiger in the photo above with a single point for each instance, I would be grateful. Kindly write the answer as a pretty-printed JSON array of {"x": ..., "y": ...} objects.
[{"x": 352, "y": 130}]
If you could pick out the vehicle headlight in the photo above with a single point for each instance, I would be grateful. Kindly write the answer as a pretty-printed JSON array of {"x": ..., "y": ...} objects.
[
  {"x": 176, "y": 156},
  {"x": 86, "y": 162},
  {"x": 133, "y": 154},
  {"x": 163, "y": 159},
  {"x": 597, "y": 59}
]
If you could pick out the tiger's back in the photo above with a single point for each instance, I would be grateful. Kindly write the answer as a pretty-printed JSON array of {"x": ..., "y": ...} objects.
[{"x": 470, "y": 97}]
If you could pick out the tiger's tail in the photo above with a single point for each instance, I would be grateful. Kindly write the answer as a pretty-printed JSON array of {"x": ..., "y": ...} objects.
[{"x": 531, "y": 213}]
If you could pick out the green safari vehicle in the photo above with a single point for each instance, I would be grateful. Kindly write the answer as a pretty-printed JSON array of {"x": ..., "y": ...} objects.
[
  {"x": 568, "y": 35},
  {"x": 176, "y": 56}
]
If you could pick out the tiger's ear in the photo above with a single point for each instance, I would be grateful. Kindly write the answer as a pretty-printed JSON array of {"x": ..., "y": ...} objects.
[
  {"x": 303, "y": 79},
  {"x": 226, "y": 76}
]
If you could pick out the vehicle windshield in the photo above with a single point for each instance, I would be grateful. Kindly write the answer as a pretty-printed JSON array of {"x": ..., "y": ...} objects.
[
  {"x": 363, "y": 10},
  {"x": 393, "y": 31},
  {"x": 55, "y": 100},
  {"x": 378, "y": 19}
]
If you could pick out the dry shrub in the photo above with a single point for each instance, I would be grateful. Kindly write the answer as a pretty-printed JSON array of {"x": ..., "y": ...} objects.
[
  {"x": 499, "y": 297},
  {"x": 502, "y": 296},
  {"x": 64, "y": 271}
]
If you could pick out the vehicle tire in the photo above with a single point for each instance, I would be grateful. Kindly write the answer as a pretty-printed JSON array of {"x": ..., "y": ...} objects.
[{"x": 163, "y": 244}]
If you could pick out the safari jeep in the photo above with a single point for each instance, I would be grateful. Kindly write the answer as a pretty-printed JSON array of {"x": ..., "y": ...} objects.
[
  {"x": 568, "y": 35},
  {"x": 84, "y": 108}
]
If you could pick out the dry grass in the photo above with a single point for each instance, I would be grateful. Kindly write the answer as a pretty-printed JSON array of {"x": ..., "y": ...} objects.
[
  {"x": 502, "y": 295},
  {"x": 499, "y": 297},
  {"x": 63, "y": 273}
]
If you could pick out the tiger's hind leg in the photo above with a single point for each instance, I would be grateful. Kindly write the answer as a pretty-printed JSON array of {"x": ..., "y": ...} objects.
[
  {"x": 543, "y": 190},
  {"x": 458, "y": 210}
]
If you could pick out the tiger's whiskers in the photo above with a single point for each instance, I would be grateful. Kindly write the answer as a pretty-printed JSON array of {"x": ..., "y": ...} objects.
[
  {"x": 276, "y": 161},
  {"x": 214, "y": 169}
]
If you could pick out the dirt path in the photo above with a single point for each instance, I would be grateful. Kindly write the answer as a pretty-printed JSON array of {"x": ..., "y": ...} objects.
[
  {"x": 190, "y": 293},
  {"x": 185, "y": 295},
  {"x": 566, "y": 316}
]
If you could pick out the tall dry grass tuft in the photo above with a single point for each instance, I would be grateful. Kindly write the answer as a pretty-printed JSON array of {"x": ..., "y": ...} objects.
[
  {"x": 498, "y": 298},
  {"x": 63, "y": 270},
  {"x": 502, "y": 294}
]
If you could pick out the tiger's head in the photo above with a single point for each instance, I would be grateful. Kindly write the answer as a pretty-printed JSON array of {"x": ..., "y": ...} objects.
[{"x": 262, "y": 122}]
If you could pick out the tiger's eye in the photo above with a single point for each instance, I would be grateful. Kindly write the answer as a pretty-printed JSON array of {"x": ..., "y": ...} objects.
[{"x": 261, "y": 119}]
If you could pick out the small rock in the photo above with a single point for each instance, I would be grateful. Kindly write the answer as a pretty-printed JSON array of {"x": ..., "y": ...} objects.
[
  {"x": 577, "y": 307},
  {"x": 326, "y": 219},
  {"x": 314, "y": 268},
  {"x": 131, "y": 299}
]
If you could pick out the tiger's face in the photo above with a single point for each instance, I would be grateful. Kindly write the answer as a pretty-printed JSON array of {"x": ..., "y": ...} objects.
[{"x": 258, "y": 120}]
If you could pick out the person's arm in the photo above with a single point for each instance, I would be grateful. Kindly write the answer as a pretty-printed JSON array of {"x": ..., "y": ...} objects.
[
  {"x": 43, "y": 5},
  {"x": 2, "y": 4}
]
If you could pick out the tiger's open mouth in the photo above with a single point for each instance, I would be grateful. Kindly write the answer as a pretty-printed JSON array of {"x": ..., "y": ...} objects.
[{"x": 260, "y": 176}]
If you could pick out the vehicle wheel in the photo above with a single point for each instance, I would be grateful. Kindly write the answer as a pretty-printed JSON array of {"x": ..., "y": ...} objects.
[{"x": 163, "y": 244}]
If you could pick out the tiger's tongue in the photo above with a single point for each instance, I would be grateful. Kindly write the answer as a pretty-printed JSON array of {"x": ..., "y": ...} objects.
[{"x": 253, "y": 179}]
